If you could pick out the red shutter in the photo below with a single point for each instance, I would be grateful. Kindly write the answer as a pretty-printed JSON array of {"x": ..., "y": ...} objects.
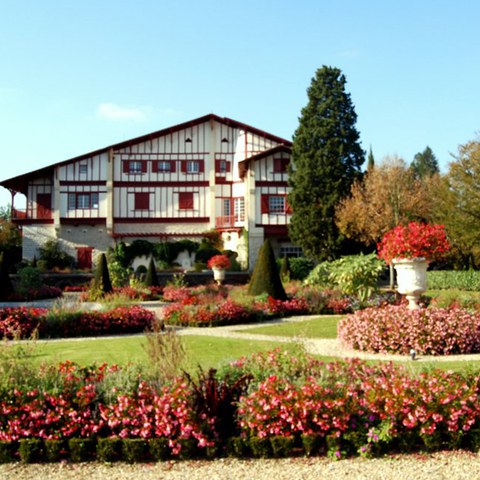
[
  {"x": 201, "y": 166},
  {"x": 144, "y": 167},
  {"x": 229, "y": 166},
  {"x": 173, "y": 166},
  {"x": 126, "y": 166},
  {"x": 183, "y": 164},
  {"x": 155, "y": 166},
  {"x": 185, "y": 200},
  {"x": 288, "y": 208},
  {"x": 264, "y": 203},
  {"x": 142, "y": 201},
  {"x": 277, "y": 165},
  {"x": 217, "y": 165}
]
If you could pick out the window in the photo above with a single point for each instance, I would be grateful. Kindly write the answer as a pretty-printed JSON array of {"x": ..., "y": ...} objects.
[
  {"x": 185, "y": 200},
  {"x": 164, "y": 166},
  {"x": 83, "y": 168},
  {"x": 192, "y": 166},
  {"x": 85, "y": 200},
  {"x": 222, "y": 166},
  {"x": 274, "y": 204},
  {"x": 134, "y": 166},
  {"x": 142, "y": 201},
  {"x": 227, "y": 209},
  {"x": 290, "y": 251},
  {"x": 239, "y": 209}
]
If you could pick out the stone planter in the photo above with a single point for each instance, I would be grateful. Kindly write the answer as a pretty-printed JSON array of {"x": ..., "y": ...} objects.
[
  {"x": 411, "y": 279},
  {"x": 218, "y": 275}
]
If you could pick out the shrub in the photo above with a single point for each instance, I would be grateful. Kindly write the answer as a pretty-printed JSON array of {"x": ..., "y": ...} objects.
[
  {"x": 102, "y": 283},
  {"x": 431, "y": 331},
  {"x": 468, "y": 280},
  {"x": 151, "y": 279},
  {"x": 6, "y": 287},
  {"x": 109, "y": 449},
  {"x": 55, "y": 450},
  {"x": 6, "y": 452},
  {"x": 51, "y": 256},
  {"x": 30, "y": 450},
  {"x": 81, "y": 449},
  {"x": 300, "y": 267},
  {"x": 159, "y": 449},
  {"x": 134, "y": 449},
  {"x": 265, "y": 276},
  {"x": 285, "y": 269}
]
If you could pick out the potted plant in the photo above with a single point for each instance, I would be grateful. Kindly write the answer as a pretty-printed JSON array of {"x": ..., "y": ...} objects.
[
  {"x": 219, "y": 263},
  {"x": 410, "y": 248}
]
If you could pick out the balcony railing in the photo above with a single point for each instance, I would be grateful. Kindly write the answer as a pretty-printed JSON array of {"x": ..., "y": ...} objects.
[
  {"x": 22, "y": 214},
  {"x": 228, "y": 221}
]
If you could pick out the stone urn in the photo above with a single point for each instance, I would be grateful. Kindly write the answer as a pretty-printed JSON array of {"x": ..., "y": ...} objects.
[
  {"x": 411, "y": 279},
  {"x": 218, "y": 274}
]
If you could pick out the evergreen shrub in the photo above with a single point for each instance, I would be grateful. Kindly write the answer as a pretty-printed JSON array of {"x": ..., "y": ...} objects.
[
  {"x": 265, "y": 277},
  {"x": 30, "y": 450},
  {"x": 151, "y": 279},
  {"x": 55, "y": 450},
  {"x": 159, "y": 449},
  {"x": 81, "y": 449},
  {"x": 135, "y": 450},
  {"x": 7, "y": 451},
  {"x": 109, "y": 449}
]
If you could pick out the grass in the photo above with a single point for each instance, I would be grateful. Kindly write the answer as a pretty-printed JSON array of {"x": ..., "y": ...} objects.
[
  {"x": 201, "y": 350},
  {"x": 321, "y": 327}
]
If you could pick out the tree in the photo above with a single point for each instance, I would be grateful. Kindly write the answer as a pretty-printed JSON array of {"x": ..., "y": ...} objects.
[
  {"x": 425, "y": 164},
  {"x": 151, "y": 279},
  {"x": 265, "y": 276},
  {"x": 370, "y": 160},
  {"x": 102, "y": 282},
  {"x": 386, "y": 196},
  {"x": 456, "y": 199},
  {"x": 326, "y": 159}
]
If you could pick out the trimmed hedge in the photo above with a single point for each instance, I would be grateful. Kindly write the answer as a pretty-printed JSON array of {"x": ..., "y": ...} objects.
[{"x": 468, "y": 280}]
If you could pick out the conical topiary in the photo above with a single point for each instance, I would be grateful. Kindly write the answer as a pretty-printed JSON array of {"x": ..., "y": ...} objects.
[
  {"x": 285, "y": 269},
  {"x": 151, "y": 279},
  {"x": 6, "y": 287},
  {"x": 102, "y": 276},
  {"x": 265, "y": 276}
]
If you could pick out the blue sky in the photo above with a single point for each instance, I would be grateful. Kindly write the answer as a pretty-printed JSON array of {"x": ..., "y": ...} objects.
[{"x": 77, "y": 76}]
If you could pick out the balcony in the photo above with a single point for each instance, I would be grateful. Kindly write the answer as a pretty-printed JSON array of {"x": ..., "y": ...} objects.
[{"x": 229, "y": 221}]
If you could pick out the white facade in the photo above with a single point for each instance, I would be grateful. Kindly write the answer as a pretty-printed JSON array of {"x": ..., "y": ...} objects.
[{"x": 210, "y": 173}]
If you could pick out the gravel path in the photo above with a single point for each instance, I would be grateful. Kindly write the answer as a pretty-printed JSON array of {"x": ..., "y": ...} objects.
[{"x": 439, "y": 466}]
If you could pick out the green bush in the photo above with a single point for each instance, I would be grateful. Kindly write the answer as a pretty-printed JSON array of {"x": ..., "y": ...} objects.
[
  {"x": 6, "y": 452},
  {"x": 159, "y": 449},
  {"x": 282, "y": 447},
  {"x": 313, "y": 444},
  {"x": 265, "y": 277},
  {"x": 238, "y": 447},
  {"x": 55, "y": 450},
  {"x": 261, "y": 447},
  {"x": 102, "y": 283},
  {"x": 81, "y": 449},
  {"x": 300, "y": 267},
  {"x": 135, "y": 450},
  {"x": 29, "y": 279},
  {"x": 468, "y": 280},
  {"x": 51, "y": 256},
  {"x": 109, "y": 449},
  {"x": 30, "y": 450},
  {"x": 353, "y": 274},
  {"x": 151, "y": 279}
]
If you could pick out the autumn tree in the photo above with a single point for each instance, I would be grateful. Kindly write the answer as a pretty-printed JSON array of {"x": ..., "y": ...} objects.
[
  {"x": 456, "y": 198},
  {"x": 326, "y": 159},
  {"x": 388, "y": 195}
]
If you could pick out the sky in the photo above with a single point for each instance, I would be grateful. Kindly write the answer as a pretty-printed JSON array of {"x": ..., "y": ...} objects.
[{"x": 79, "y": 76}]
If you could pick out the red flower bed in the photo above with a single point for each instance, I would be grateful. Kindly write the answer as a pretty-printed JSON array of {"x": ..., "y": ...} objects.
[
  {"x": 349, "y": 404},
  {"x": 395, "y": 329},
  {"x": 22, "y": 322}
]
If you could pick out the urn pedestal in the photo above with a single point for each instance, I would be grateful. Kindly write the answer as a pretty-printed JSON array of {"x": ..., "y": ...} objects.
[
  {"x": 219, "y": 275},
  {"x": 411, "y": 279}
]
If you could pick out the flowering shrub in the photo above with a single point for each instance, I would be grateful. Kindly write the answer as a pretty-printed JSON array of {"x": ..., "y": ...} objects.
[
  {"x": 222, "y": 262},
  {"x": 38, "y": 293},
  {"x": 354, "y": 407},
  {"x": 412, "y": 241},
  {"x": 22, "y": 322},
  {"x": 431, "y": 331}
]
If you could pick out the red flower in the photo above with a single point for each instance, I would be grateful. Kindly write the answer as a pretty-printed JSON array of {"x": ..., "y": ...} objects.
[
  {"x": 221, "y": 262},
  {"x": 414, "y": 240}
]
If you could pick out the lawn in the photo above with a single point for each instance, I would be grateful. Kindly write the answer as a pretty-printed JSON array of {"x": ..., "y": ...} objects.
[
  {"x": 321, "y": 327},
  {"x": 201, "y": 350}
]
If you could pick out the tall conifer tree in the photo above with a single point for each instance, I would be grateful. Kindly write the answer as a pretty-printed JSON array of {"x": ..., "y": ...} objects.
[{"x": 326, "y": 159}]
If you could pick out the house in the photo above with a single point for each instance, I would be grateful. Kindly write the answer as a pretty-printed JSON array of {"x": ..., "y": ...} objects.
[{"x": 179, "y": 182}]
